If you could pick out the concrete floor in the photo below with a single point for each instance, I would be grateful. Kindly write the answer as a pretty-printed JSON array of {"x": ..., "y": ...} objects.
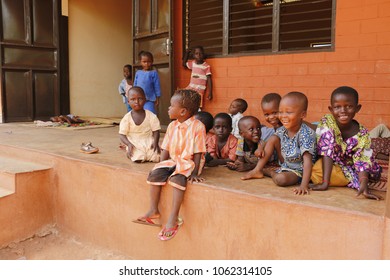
[{"x": 66, "y": 142}]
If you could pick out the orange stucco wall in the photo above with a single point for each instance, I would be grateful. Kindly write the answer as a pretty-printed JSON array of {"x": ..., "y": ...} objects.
[{"x": 361, "y": 59}]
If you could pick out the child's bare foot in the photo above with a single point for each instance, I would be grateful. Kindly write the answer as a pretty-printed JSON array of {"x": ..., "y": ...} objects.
[
  {"x": 253, "y": 174},
  {"x": 321, "y": 187}
]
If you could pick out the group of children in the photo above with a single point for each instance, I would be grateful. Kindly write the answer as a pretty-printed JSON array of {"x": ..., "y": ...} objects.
[
  {"x": 147, "y": 78},
  {"x": 335, "y": 152}
]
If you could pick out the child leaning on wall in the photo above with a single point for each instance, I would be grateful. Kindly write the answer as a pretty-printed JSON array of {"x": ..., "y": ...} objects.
[{"x": 200, "y": 73}]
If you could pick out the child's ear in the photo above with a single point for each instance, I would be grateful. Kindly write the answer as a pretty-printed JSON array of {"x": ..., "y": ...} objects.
[
  {"x": 303, "y": 115},
  {"x": 358, "y": 107},
  {"x": 183, "y": 111},
  {"x": 330, "y": 108}
]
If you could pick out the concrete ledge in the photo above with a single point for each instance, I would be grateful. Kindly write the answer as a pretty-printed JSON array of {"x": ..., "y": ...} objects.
[{"x": 97, "y": 196}]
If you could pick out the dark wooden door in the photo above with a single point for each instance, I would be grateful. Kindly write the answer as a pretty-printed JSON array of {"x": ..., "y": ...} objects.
[
  {"x": 30, "y": 59},
  {"x": 152, "y": 32}
]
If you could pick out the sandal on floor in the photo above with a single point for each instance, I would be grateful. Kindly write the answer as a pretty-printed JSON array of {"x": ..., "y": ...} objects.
[
  {"x": 88, "y": 148},
  {"x": 168, "y": 233},
  {"x": 148, "y": 221}
]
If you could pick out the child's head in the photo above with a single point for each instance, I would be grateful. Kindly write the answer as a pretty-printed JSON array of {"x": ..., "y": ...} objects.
[
  {"x": 250, "y": 128},
  {"x": 127, "y": 71},
  {"x": 198, "y": 54},
  {"x": 238, "y": 105},
  {"x": 270, "y": 106},
  {"x": 146, "y": 60},
  {"x": 184, "y": 104},
  {"x": 344, "y": 104},
  {"x": 206, "y": 118},
  {"x": 222, "y": 126},
  {"x": 292, "y": 109},
  {"x": 136, "y": 98}
]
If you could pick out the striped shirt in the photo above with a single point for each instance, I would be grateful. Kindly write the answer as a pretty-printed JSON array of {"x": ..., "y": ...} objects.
[
  {"x": 198, "y": 76},
  {"x": 182, "y": 141}
]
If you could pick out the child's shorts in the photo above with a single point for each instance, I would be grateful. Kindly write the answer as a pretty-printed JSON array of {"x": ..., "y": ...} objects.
[
  {"x": 160, "y": 176},
  {"x": 337, "y": 177}
]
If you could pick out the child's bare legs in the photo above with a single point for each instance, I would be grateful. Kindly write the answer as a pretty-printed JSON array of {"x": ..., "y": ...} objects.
[
  {"x": 284, "y": 179},
  {"x": 155, "y": 192},
  {"x": 258, "y": 172},
  {"x": 178, "y": 196},
  {"x": 327, "y": 166}
]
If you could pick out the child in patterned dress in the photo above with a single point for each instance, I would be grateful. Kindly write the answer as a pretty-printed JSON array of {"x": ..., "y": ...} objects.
[
  {"x": 345, "y": 146},
  {"x": 297, "y": 143}
]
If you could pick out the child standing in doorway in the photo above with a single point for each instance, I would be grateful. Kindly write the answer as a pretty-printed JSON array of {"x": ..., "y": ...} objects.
[
  {"x": 345, "y": 147},
  {"x": 139, "y": 129},
  {"x": 201, "y": 73},
  {"x": 182, "y": 160},
  {"x": 149, "y": 81},
  {"x": 126, "y": 84},
  {"x": 297, "y": 142}
]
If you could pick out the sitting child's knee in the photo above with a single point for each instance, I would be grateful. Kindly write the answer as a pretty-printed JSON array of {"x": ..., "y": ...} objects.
[{"x": 281, "y": 180}]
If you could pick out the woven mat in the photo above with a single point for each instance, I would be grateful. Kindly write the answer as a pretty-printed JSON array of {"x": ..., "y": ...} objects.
[
  {"x": 81, "y": 126},
  {"x": 382, "y": 184}
]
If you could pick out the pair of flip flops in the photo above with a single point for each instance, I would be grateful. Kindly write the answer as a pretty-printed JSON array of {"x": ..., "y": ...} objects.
[{"x": 166, "y": 233}]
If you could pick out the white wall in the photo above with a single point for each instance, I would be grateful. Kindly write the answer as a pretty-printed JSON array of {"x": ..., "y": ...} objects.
[{"x": 100, "y": 44}]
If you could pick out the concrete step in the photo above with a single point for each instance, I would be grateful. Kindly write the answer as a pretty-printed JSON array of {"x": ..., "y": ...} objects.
[{"x": 9, "y": 170}]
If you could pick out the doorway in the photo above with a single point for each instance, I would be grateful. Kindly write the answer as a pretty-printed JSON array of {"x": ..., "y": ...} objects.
[
  {"x": 30, "y": 55},
  {"x": 152, "y": 32}
]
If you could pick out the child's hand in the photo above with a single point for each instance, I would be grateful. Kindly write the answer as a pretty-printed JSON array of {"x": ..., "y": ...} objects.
[
  {"x": 259, "y": 152},
  {"x": 195, "y": 178},
  {"x": 367, "y": 194},
  {"x": 155, "y": 148},
  {"x": 129, "y": 151},
  {"x": 302, "y": 190}
]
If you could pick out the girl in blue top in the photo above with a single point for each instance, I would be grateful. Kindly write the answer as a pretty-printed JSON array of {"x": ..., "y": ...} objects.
[{"x": 148, "y": 80}]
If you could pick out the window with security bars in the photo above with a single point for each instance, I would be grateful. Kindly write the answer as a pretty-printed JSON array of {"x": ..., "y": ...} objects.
[{"x": 231, "y": 27}]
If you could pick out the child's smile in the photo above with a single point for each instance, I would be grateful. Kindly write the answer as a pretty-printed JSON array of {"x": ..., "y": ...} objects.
[
  {"x": 343, "y": 108},
  {"x": 291, "y": 113},
  {"x": 271, "y": 113},
  {"x": 251, "y": 130}
]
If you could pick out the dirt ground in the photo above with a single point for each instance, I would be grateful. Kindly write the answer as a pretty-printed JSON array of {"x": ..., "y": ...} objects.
[{"x": 50, "y": 244}]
